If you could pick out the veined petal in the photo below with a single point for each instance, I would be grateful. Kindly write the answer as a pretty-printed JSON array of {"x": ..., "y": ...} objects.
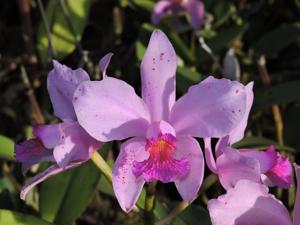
[
  {"x": 104, "y": 62},
  {"x": 232, "y": 166},
  {"x": 211, "y": 108},
  {"x": 238, "y": 133},
  {"x": 158, "y": 70},
  {"x": 248, "y": 203},
  {"x": 62, "y": 82},
  {"x": 40, "y": 177},
  {"x": 196, "y": 11},
  {"x": 126, "y": 185},
  {"x": 110, "y": 110},
  {"x": 189, "y": 148},
  {"x": 76, "y": 144},
  {"x": 161, "y": 8},
  {"x": 297, "y": 202}
]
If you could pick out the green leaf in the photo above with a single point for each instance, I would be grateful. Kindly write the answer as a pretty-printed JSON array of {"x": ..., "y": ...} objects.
[
  {"x": 76, "y": 188},
  {"x": 277, "y": 39},
  {"x": 14, "y": 218},
  {"x": 186, "y": 77},
  {"x": 291, "y": 129},
  {"x": 259, "y": 143},
  {"x": 225, "y": 36},
  {"x": 63, "y": 37},
  {"x": 6, "y": 148},
  {"x": 280, "y": 94},
  {"x": 195, "y": 214},
  {"x": 145, "y": 4}
]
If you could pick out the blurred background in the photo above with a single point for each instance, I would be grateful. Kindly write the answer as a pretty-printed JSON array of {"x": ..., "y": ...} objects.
[{"x": 256, "y": 40}]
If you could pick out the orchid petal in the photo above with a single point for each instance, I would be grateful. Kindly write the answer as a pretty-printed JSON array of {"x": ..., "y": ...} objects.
[
  {"x": 104, "y": 62},
  {"x": 62, "y": 82},
  {"x": 248, "y": 203},
  {"x": 31, "y": 152},
  {"x": 76, "y": 145},
  {"x": 49, "y": 135},
  {"x": 209, "y": 156},
  {"x": 126, "y": 185},
  {"x": 233, "y": 166},
  {"x": 211, "y": 108},
  {"x": 158, "y": 70},
  {"x": 110, "y": 110},
  {"x": 238, "y": 133},
  {"x": 40, "y": 177},
  {"x": 221, "y": 145},
  {"x": 160, "y": 9},
  {"x": 297, "y": 202},
  {"x": 196, "y": 12},
  {"x": 189, "y": 148}
]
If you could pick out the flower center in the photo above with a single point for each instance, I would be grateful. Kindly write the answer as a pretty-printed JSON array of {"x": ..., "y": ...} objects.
[{"x": 161, "y": 164}]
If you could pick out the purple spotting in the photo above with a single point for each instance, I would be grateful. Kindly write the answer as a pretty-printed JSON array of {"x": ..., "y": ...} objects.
[{"x": 161, "y": 145}]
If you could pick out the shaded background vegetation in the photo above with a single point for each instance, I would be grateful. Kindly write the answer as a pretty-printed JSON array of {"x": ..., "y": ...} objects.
[{"x": 82, "y": 31}]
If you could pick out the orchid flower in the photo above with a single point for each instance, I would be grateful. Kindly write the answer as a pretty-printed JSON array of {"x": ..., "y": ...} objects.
[
  {"x": 249, "y": 203},
  {"x": 194, "y": 8},
  {"x": 232, "y": 165},
  {"x": 161, "y": 145},
  {"x": 65, "y": 144}
]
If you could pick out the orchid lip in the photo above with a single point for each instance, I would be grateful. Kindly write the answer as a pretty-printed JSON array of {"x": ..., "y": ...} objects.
[{"x": 161, "y": 164}]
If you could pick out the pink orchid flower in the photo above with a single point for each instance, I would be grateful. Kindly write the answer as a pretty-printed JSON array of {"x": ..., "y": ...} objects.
[
  {"x": 161, "y": 145},
  {"x": 232, "y": 165},
  {"x": 65, "y": 144},
  {"x": 194, "y": 8},
  {"x": 249, "y": 203}
]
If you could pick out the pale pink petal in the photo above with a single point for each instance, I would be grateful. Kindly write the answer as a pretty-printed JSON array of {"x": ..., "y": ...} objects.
[
  {"x": 160, "y": 9},
  {"x": 189, "y": 148},
  {"x": 222, "y": 144},
  {"x": 62, "y": 82},
  {"x": 158, "y": 70},
  {"x": 297, "y": 202},
  {"x": 76, "y": 144},
  {"x": 196, "y": 11},
  {"x": 127, "y": 187},
  {"x": 209, "y": 156},
  {"x": 232, "y": 166},
  {"x": 49, "y": 135},
  {"x": 211, "y": 108},
  {"x": 267, "y": 159},
  {"x": 238, "y": 133},
  {"x": 104, "y": 62},
  {"x": 40, "y": 177},
  {"x": 110, "y": 110},
  {"x": 31, "y": 152},
  {"x": 248, "y": 203}
]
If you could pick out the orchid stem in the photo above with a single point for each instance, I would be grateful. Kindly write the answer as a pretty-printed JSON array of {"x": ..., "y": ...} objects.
[
  {"x": 102, "y": 165},
  {"x": 149, "y": 202}
]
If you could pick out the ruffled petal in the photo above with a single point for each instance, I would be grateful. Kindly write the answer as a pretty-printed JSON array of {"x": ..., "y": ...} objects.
[
  {"x": 40, "y": 177},
  {"x": 62, "y": 82},
  {"x": 248, "y": 203},
  {"x": 31, "y": 152},
  {"x": 189, "y": 148},
  {"x": 196, "y": 11},
  {"x": 110, "y": 110},
  {"x": 238, "y": 133},
  {"x": 232, "y": 166},
  {"x": 104, "y": 62},
  {"x": 126, "y": 185},
  {"x": 158, "y": 71},
  {"x": 211, "y": 108},
  {"x": 76, "y": 145},
  {"x": 160, "y": 10}
]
